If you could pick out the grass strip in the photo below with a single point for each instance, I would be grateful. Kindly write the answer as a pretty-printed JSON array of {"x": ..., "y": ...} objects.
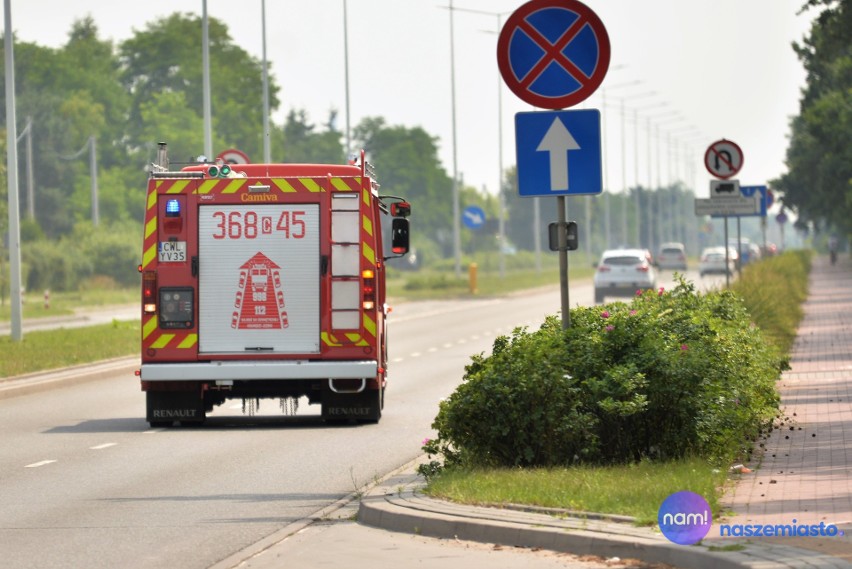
[
  {"x": 635, "y": 490},
  {"x": 54, "y": 349}
]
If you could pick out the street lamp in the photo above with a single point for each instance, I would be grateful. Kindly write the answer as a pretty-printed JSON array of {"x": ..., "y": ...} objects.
[
  {"x": 501, "y": 198},
  {"x": 636, "y": 164}
]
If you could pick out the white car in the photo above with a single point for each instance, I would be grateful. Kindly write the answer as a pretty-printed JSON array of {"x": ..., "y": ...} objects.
[
  {"x": 672, "y": 256},
  {"x": 713, "y": 261},
  {"x": 623, "y": 272}
]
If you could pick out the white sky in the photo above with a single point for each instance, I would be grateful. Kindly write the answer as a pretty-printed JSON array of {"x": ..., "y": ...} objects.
[{"x": 725, "y": 67}]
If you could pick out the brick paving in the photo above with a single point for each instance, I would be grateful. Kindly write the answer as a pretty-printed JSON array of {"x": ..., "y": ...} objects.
[{"x": 805, "y": 471}]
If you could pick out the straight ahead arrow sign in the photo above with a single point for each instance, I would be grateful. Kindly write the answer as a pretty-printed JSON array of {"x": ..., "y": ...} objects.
[
  {"x": 547, "y": 141},
  {"x": 558, "y": 141}
]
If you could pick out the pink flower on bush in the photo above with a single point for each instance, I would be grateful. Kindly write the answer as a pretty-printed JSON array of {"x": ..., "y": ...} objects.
[
  {"x": 426, "y": 441},
  {"x": 632, "y": 313},
  {"x": 610, "y": 328},
  {"x": 604, "y": 314},
  {"x": 662, "y": 290},
  {"x": 683, "y": 347}
]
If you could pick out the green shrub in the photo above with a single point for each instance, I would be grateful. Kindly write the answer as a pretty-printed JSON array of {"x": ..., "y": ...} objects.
[{"x": 667, "y": 375}]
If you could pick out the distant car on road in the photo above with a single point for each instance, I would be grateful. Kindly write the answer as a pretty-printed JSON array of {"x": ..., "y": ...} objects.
[
  {"x": 623, "y": 272},
  {"x": 712, "y": 261},
  {"x": 672, "y": 256}
]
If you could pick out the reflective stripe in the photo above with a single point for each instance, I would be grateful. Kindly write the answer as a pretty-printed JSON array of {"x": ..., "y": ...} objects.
[
  {"x": 369, "y": 325},
  {"x": 149, "y": 326},
  {"x": 162, "y": 341},
  {"x": 189, "y": 341}
]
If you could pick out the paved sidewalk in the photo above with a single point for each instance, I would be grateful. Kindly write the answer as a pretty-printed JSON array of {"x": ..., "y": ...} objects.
[{"x": 805, "y": 472}]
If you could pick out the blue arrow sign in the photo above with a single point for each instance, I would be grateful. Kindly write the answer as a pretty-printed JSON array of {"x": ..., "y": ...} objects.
[
  {"x": 558, "y": 153},
  {"x": 749, "y": 191},
  {"x": 473, "y": 217}
]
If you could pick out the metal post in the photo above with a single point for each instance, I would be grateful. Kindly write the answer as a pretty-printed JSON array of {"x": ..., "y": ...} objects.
[
  {"x": 456, "y": 206},
  {"x": 93, "y": 173},
  {"x": 30, "y": 178},
  {"x": 267, "y": 151},
  {"x": 15, "y": 304},
  {"x": 346, "y": 76},
  {"x": 728, "y": 256},
  {"x": 563, "y": 262},
  {"x": 205, "y": 64}
]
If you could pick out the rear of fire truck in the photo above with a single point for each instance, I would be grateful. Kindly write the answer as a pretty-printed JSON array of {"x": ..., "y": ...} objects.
[{"x": 266, "y": 281}]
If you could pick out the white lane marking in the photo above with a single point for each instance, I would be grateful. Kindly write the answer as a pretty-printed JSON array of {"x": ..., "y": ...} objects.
[
  {"x": 415, "y": 354},
  {"x": 475, "y": 337},
  {"x": 37, "y": 464},
  {"x": 432, "y": 350},
  {"x": 448, "y": 345},
  {"x": 103, "y": 446},
  {"x": 462, "y": 341},
  {"x": 397, "y": 360},
  {"x": 151, "y": 431}
]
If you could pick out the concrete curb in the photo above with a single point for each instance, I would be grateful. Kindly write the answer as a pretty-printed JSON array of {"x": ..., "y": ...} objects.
[
  {"x": 397, "y": 505},
  {"x": 42, "y": 381}
]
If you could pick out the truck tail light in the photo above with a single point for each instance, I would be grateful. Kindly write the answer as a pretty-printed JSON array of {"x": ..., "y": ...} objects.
[
  {"x": 368, "y": 289},
  {"x": 149, "y": 292}
]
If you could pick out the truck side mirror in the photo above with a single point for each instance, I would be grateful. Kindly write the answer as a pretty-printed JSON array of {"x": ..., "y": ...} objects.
[
  {"x": 399, "y": 236},
  {"x": 400, "y": 209}
]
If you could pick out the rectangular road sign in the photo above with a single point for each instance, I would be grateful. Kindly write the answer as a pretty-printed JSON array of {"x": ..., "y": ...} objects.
[
  {"x": 559, "y": 153},
  {"x": 724, "y": 188},
  {"x": 738, "y": 205}
]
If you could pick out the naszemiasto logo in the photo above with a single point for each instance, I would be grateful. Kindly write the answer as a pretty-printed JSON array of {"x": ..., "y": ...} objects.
[{"x": 685, "y": 518}]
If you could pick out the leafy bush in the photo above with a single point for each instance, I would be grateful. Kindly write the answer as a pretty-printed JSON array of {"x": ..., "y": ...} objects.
[{"x": 668, "y": 375}]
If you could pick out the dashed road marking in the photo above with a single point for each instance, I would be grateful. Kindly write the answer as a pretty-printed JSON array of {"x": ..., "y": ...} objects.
[
  {"x": 103, "y": 446},
  {"x": 41, "y": 463}
]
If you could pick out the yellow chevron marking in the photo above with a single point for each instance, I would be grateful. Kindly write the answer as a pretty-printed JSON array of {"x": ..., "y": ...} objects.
[
  {"x": 151, "y": 227},
  {"x": 311, "y": 185},
  {"x": 357, "y": 339},
  {"x": 162, "y": 341},
  {"x": 367, "y": 225},
  {"x": 369, "y": 325},
  {"x": 368, "y": 252},
  {"x": 149, "y": 326},
  {"x": 152, "y": 199},
  {"x": 149, "y": 255},
  {"x": 233, "y": 187},
  {"x": 340, "y": 185},
  {"x": 207, "y": 186},
  {"x": 189, "y": 341},
  {"x": 365, "y": 196},
  {"x": 329, "y": 340},
  {"x": 178, "y": 187},
  {"x": 284, "y": 186}
]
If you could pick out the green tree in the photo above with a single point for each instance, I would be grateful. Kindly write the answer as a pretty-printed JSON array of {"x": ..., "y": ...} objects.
[
  {"x": 303, "y": 143},
  {"x": 166, "y": 58},
  {"x": 818, "y": 184},
  {"x": 407, "y": 165}
]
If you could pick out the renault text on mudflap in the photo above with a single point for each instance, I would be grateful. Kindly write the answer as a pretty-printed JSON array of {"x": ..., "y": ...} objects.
[{"x": 266, "y": 281}]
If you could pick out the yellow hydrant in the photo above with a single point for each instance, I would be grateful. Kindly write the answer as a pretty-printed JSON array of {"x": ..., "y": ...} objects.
[{"x": 472, "y": 278}]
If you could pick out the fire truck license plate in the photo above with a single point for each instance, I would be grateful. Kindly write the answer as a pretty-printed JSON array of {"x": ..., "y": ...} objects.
[{"x": 172, "y": 251}]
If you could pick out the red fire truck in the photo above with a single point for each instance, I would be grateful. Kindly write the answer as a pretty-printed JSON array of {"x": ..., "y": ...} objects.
[{"x": 266, "y": 281}]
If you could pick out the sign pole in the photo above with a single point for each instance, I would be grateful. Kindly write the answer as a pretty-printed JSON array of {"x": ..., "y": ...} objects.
[
  {"x": 563, "y": 262},
  {"x": 728, "y": 256}
]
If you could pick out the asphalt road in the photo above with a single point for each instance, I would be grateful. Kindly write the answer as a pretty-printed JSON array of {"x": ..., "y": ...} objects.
[{"x": 86, "y": 482}]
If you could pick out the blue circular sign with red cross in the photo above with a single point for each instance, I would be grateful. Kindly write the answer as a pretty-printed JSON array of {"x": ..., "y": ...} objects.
[{"x": 553, "y": 53}]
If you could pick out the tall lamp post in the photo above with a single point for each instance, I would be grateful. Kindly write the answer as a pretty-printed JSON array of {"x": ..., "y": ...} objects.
[
  {"x": 502, "y": 220},
  {"x": 16, "y": 306}
]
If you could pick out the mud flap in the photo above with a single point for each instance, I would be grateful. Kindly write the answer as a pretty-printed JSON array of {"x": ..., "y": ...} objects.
[
  {"x": 166, "y": 407},
  {"x": 341, "y": 405}
]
